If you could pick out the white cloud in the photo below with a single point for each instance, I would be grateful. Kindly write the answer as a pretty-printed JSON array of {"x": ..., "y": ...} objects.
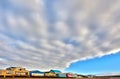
[{"x": 53, "y": 34}]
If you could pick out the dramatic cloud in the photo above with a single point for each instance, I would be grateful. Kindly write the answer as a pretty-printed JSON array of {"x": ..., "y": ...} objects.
[{"x": 47, "y": 34}]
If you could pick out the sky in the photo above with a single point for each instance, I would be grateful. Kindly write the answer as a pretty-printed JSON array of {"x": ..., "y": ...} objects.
[
  {"x": 106, "y": 65},
  {"x": 60, "y": 34}
]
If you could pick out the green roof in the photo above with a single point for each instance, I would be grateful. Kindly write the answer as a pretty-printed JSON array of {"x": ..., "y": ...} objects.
[{"x": 55, "y": 71}]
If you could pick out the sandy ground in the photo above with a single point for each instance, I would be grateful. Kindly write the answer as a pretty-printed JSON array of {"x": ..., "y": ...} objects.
[
  {"x": 62, "y": 78},
  {"x": 59, "y": 78}
]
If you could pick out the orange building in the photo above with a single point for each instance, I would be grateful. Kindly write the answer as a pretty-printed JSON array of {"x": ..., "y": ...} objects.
[{"x": 5, "y": 73}]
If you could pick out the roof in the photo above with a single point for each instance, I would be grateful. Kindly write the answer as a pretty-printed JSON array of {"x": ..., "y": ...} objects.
[
  {"x": 10, "y": 68},
  {"x": 36, "y": 71},
  {"x": 55, "y": 71}
]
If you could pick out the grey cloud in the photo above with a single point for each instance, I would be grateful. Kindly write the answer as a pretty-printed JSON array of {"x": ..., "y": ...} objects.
[{"x": 53, "y": 34}]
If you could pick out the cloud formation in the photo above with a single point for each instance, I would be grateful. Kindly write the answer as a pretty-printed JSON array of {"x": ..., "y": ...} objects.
[{"x": 47, "y": 34}]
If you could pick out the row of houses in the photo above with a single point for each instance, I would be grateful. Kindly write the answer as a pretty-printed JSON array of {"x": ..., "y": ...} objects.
[{"x": 22, "y": 72}]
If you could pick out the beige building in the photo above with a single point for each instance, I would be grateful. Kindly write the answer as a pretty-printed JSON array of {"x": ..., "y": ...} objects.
[
  {"x": 14, "y": 71},
  {"x": 18, "y": 71},
  {"x": 50, "y": 74}
]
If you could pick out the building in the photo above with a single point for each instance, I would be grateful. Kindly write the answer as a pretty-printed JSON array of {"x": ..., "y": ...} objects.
[
  {"x": 5, "y": 73},
  {"x": 36, "y": 73},
  {"x": 52, "y": 73},
  {"x": 55, "y": 71},
  {"x": 62, "y": 75},
  {"x": 17, "y": 71}
]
